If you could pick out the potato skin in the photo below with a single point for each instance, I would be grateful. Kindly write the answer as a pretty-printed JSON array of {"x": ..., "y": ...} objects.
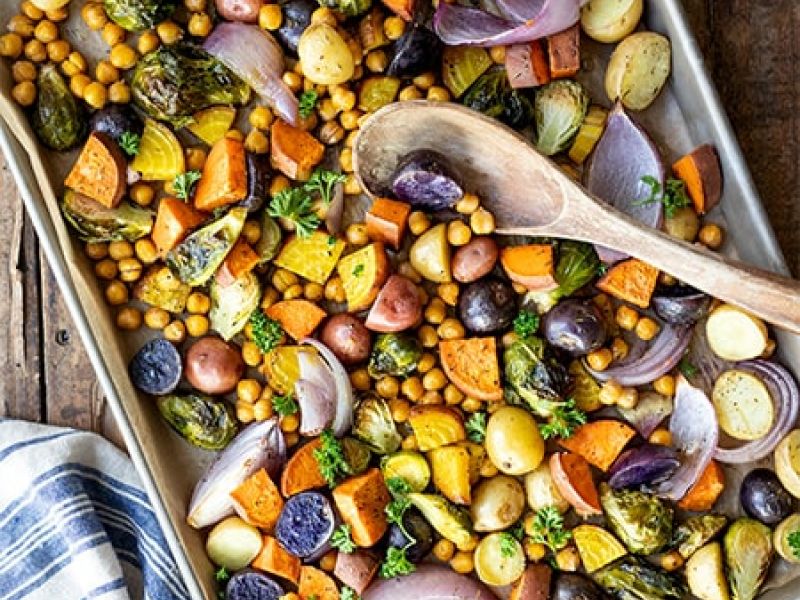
[
  {"x": 213, "y": 366},
  {"x": 347, "y": 338},
  {"x": 638, "y": 69},
  {"x": 245, "y": 11},
  {"x": 475, "y": 259},
  {"x": 609, "y": 21}
]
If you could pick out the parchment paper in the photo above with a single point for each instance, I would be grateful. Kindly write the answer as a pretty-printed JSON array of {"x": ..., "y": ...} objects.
[{"x": 172, "y": 463}]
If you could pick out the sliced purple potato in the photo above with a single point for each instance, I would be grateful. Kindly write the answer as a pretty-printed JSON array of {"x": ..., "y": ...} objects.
[
  {"x": 425, "y": 179},
  {"x": 156, "y": 368},
  {"x": 252, "y": 585},
  {"x": 306, "y": 525}
]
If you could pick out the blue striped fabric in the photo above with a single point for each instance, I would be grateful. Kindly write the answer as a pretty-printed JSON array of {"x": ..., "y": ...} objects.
[{"x": 74, "y": 522}]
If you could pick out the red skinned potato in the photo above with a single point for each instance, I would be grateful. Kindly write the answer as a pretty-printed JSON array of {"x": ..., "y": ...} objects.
[
  {"x": 213, "y": 366},
  {"x": 475, "y": 259},
  {"x": 397, "y": 306},
  {"x": 347, "y": 338},
  {"x": 356, "y": 570},
  {"x": 245, "y": 11},
  {"x": 534, "y": 583}
]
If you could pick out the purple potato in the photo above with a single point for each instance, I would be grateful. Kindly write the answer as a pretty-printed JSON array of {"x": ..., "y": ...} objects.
[
  {"x": 252, "y": 585},
  {"x": 575, "y": 326},
  {"x": 116, "y": 120},
  {"x": 643, "y": 466},
  {"x": 573, "y": 586},
  {"x": 156, "y": 368},
  {"x": 487, "y": 306},
  {"x": 296, "y": 19},
  {"x": 306, "y": 525},
  {"x": 420, "y": 531},
  {"x": 681, "y": 305},
  {"x": 425, "y": 179},
  {"x": 257, "y": 182},
  {"x": 764, "y": 498},
  {"x": 418, "y": 50}
]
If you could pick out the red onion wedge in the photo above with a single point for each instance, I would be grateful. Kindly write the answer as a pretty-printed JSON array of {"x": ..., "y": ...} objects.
[
  {"x": 343, "y": 418},
  {"x": 623, "y": 156},
  {"x": 315, "y": 391},
  {"x": 785, "y": 395},
  {"x": 695, "y": 434},
  {"x": 428, "y": 582},
  {"x": 522, "y": 21},
  {"x": 258, "y": 446},
  {"x": 255, "y": 56},
  {"x": 663, "y": 354}
]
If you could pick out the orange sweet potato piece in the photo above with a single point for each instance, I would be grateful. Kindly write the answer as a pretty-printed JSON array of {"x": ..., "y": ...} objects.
[
  {"x": 630, "y": 280},
  {"x": 174, "y": 220},
  {"x": 471, "y": 364},
  {"x": 258, "y": 501},
  {"x": 534, "y": 583},
  {"x": 316, "y": 585},
  {"x": 224, "y": 179},
  {"x": 274, "y": 559},
  {"x": 294, "y": 152},
  {"x": 701, "y": 172},
  {"x": 599, "y": 442},
  {"x": 361, "y": 501},
  {"x": 402, "y": 8},
  {"x": 299, "y": 318},
  {"x": 101, "y": 172},
  {"x": 386, "y": 221},
  {"x": 707, "y": 489},
  {"x": 530, "y": 265},
  {"x": 564, "y": 51},
  {"x": 301, "y": 472},
  {"x": 240, "y": 260},
  {"x": 356, "y": 570},
  {"x": 573, "y": 478}
]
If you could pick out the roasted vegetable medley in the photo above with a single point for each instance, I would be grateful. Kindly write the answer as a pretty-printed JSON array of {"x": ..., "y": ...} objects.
[{"x": 404, "y": 404}]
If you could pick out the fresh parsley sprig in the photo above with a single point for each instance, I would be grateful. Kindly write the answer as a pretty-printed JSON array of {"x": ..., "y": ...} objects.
[
  {"x": 129, "y": 142},
  {"x": 307, "y": 103},
  {"x": 295, "y": 205},
  {"x": 330, "y": 458},
  {"x": 267, "y": 332},
  {"x": 564, "y": 420},
  {"x": 793, "y": 539},
  {"x": 342, "y": 541},
  {"x": 323, "y": 182},
  {"x": 396, "y": 563},
  {"x": 184, "y": 183},
  {"x": 348, "y": 593},
  {"x": 285, "y": 405},
  {"x": 548, "y": 529},
  {"x": 526, "y": 323},
  {"x": 476, "y": 427},
  {"x": 686, "y": 367},
  {"x": 508, "y": 545},
  {"x": 673, "y": 195}
]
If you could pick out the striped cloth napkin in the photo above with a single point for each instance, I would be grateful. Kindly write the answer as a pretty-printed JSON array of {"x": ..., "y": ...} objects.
[{"x": 74, "y": 521}]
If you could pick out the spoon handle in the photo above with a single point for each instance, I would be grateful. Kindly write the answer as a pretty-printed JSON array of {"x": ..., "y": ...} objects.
[{"x": 772, "y": 297}]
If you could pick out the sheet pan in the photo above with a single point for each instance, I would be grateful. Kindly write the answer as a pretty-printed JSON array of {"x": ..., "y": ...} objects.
[{"x": 687, "y": 114}]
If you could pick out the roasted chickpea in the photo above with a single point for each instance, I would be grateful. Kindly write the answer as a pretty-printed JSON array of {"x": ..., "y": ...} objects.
[
  {"x": 629, "y": 398},
  {"x": 46, "y": 31},
  {"x": 427, "y": 336},
  {"x": 412, "y": 388},
  {"x": 627, "y": 318},
  {"x": 148, "y": 41},
  {"x": 409, "y": 442},
  {"x": 278, "y": 184},
  {"x": 197, "y": 325},
  {"x": 610, "y": 392},
  {"x": 96, "y": 250},
  {"x": 106, "y": 269},
  {"x": 261, "y": 117},
  {"x": 534, "y": 551},
  {"x": 36, "y": 51},
  {"x": 57, "y": 14},
  {"x": 248, "y": 390},
  {"x": 256, "y": 142},
  {"x": 30, "y": 10},
  {"x": 568, "y": 559},
  {"x": 129, "y": 318},
  {"x": 245, "y": 412},
  {"x": 444, "y": 549},
  {"x": 58, "y": 50},
  {"x": 665, "y": 385},
  {"x": 426, "y": 362},
  {"x": 710, "y": 235},
  {"x": 200, "y": 24},
  {"x": 360, "y": 380},
  {"x": 482, "y": 222},
  {"x": 377, "y": 61},
  {"x": 112, "y": 34},
  {"x": 120, "y": 249},
  {"x": 468, "y": 204},
  {"x": 646, "y": 329},
  {"x": 290, "y": 423},
  {"x": 106, "y": 73},
  {"x": 328, "y": 561},
  {"x": 11, "y": 45},
  {"x": 331, "y": 133},
  {"x": 24, "y": 93},
  {"x": 195, "y": 5},
  {"x": 156, "y": 318},
  {"x": 434, "y": 379},
  {"x": 324, "y": 15},
  {"x": 436, "y": 311},
  {"x": 458, "y": 233},
  {"x": 462, "y": 563},
  {"x": 251, "y": 355},
  {"x": 169, "y": 32},
  {"x": 425, "y": 80},
  {"x": 270, "y": 17},
  {"x": 234, "y": 134},
  {"x": 394, "y": 27},
  {"x": 471, "y": 405},
  {"x": 95, "y": 95},
  {"x": 116, "y": 293},
  {"x": 94, "y": 15},
  {"x": 498, "y": 54},
  {"x": 22, "y": 25},
  {"x": 661, "y": 437},
  {"x": 334, "y": 290},
  {"x": 175, "y": 332},
  {"x": 293, "y": 81},
  {"x": 418, "y": 222},
  {"x": 410, "y": 92},
  {"x": 451, "y": 329},
  {"x": 313, "y": 291},
  {"x": 123, "y": 57},
  {"x": 349, "y": 119},
  {"x": 671, "y": 561},
  {"x": 438, "y": 93},
  {"x": 452, "y": 395},
  {"x": 619, "y": 348},
  {"x": 387, "y": 386},
  {"x": 599, "y": 359},
  {"x": 343, "y": 99},
  {"x": 130, "y": 269}
]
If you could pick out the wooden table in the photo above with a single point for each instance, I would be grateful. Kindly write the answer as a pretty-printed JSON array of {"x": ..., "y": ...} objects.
[{"x": 752, "y": 49}]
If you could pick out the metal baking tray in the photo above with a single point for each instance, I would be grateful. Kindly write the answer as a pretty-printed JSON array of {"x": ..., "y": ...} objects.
[{"x": 691, "y": 108}]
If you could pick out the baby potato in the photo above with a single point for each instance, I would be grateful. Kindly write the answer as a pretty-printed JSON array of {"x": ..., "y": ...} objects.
[
  {"x": 683, "y": 224},
  {"x": 638, "y": 69},
  {"x": 497, "y": 503},
  {"x": 609, "y": 21},
  {"x": 325, "y": 56},
  {"x": 513, "y": 441}
]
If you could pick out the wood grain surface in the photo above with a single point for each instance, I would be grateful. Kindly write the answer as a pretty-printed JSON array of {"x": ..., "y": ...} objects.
[{"x": 753, "y": 53}]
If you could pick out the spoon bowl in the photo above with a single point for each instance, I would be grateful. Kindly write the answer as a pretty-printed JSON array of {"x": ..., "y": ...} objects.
[{"x": 529, "y": 195}]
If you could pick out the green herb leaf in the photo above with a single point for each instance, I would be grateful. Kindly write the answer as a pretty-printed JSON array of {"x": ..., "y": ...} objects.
[
  {"x": 342, "y": 541},
  {"x": 794, "y": 542},
  {"x": 348, "y": 593},
  {"x": 330, "y": 458},
  {"x": 285, "y": 405},
  {"x": 396, "y": 563},
  {"x": 476, "y": 427},
  {"x": 564, "y": 420},
  {"x": 295, "y": 205},
  {"x": 518, "y": 530},
  {"x": 184, "y": 183},
  {"x": 400, "y": 503},
  {"x": 508, "y": 545},
  {"x": 323, "y": 182},
  {"x": 307, "y": 102},
  {"x": 222, "y": 575},
  {"x": 548, "y": 529},
  {"x": 129, "y": 142},
  {"x": 398, "y": 486},
  {"x": 673, "y": 196},
  {"x": 358, "y": 270},
  {"x": 686, "y": 367},
  {"x": 267, "y": 332},
  {"x": 526, "y": 323}
]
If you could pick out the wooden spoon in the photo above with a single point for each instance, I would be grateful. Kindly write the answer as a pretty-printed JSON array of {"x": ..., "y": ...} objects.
[{"x": 529, "y": 195}]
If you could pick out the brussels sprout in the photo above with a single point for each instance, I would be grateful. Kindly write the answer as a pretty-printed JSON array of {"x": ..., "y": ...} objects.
[
  {"x": 139, "y": 15},
  {"x": 270, "y": 240},
  {"x": 57, "y": 118},
  {"x": 159, "y": 287},
  {"x": 356, "y": 455},
  {"x": 535, "y": 377},
  {"x": 202, "y": 421},
  {"x": 577, "y": 265},
  {"x": 97, "y": 223},
  {"x": 232, "y": 305},
  {"x": 174, "y": 82},
  {"x": 748, "y": 554},
  {"x": 493, "y": 95},
  {"x": 394, "y": 354},
  {"x": 197, "y": 257},
  {"x": 642, "y": 522},
  {"x": 351, "y": 8},
  {"x": 695, "y": 532},
  {"x": 631, "y": 578},
  {"x": 560, "y": 108},
  {"x": 373, "y": 425}
]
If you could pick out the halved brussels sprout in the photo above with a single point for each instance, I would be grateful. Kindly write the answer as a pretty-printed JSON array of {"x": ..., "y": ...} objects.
[
  {"x": 748, "y": 554},
  {"x": 493, "y": 95},
  {"x": 394, "y": 354},
  {"x": 139, "y": 15},
  {"x": 696, "y": 532},
  {"x": 202, "y": 421},
  {"x": 534, "y": 376},
  {"x": 642, "y": 522},
  {"x": 97, "y": 223},
  {"x": 232, "y": 305},
  {"x": 631, "y": 578},
  {"x": 57, "y": 118},
  {"x": 560, "y": 108},
  {"x": 373, "y": 425}
]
